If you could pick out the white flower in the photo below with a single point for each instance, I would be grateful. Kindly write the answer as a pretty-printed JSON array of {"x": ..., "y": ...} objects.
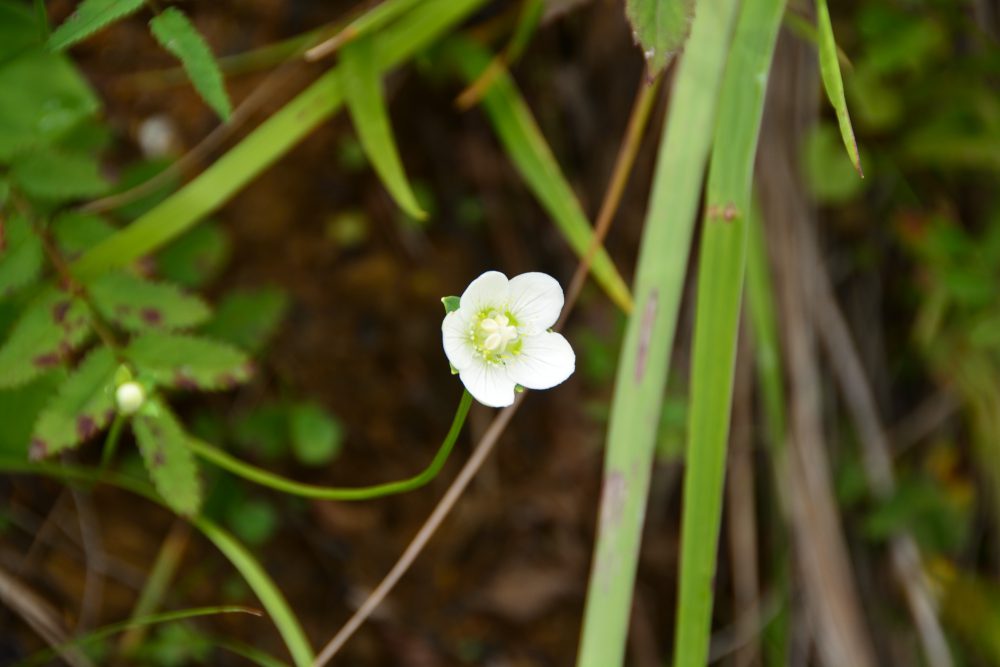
[
  {"x": 499, "y": 337},
  {"x": 129, "y": 396}
]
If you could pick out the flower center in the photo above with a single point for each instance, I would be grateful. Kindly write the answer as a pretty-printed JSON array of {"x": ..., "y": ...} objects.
[{"x": 494, "y": 335}]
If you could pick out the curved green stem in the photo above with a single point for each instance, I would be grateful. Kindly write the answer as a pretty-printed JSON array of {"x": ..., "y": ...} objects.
[
  {"x": 111, "y": 442},
  {"x": 279, "y": 483}
]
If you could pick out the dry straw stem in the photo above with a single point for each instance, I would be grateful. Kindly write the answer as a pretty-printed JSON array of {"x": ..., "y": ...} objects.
[{"x": 619, "y": 177}]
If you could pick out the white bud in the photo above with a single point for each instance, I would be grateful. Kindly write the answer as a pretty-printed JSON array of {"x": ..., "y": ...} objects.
[{"x": 129, "y": 396}]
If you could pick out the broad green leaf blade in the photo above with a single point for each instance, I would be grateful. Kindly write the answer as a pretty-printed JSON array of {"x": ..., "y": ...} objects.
[
  {"x": 649, "y": 336},
  {"x": 316, "y": 434},
  {"x": 20, "y": 408},
  {"x": 83, "y": 406},
  {"x": 18, "y": 30},
  {"x": 659, "y": 28},
  {"x": 89, "y": 17},
  {"x": 52, "y": 99},
  {"x": 20, "y": 254},
  {"x": 137, "y": 304},
  {"x": 259, "y": 150},
  {"x": 51, "y": 327},
  {"x": 75, "y": 232},
  {"x": 530, "y": 153},
  {"x": 721, "y": 271},
  {"x": 175, "y": 32},
  {"x": 833, "y": 83},
  {"x": 196, "y": 257},
  {"x": 362, "y": 85},
  {"x": 188, "y": 362},
  {"x": 58, "y": 176},
  {"x": 170, "y": 462},
  {"x": 248, "y": 319}
]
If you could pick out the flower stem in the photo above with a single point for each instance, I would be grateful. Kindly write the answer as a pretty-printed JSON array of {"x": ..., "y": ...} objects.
[
  {"x": 279, "y": 483},
  {"x": 111, "y": 442}
]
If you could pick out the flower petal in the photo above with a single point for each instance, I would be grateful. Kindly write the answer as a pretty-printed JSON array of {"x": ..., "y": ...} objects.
[
  {"x": 545, "y": 360},
  {"x": 489, "y": 290},
  {"x": 488, "y": 384},
  {"x": 536, "y": 299},
  {"x": 458, "y": 346}
]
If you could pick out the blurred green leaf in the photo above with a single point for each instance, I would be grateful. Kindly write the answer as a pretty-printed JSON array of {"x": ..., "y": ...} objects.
[
  {"x": 75, "y": 232},
  {"x": 58, "y": 176},
  {"x": 264, "y": 431},
  {"x": 659, "y": 27},
  {"x": 829, "y": 68},
  {"x": 18, "y": 30},
  {"x": 188, "y": 362},
  {"x": 20, "y": 408},
  {"x": 170, "y": 462},
  {"x": 196, "y": 257},
  {"x": 921, "y": 507},
  {"x": 830, "y": 176},
  {"x": 89, "y": 17},
  {"x": 316, "y": 434},
  {"x": 248, "y": 319},
  {"x": 138, "y": 304},
  {"x": 175, "y": 32},
  {"x": 82, "y": 408},
  {"x": 21, "y": 254},
  {"x": 254, "y": 521},
  {"x": 362, "y": 84},
  {"x": 137, "y": 174},
  {"x": 50, "y": 328}
]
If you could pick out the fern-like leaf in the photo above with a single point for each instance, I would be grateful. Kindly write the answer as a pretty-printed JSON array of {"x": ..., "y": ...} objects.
[
  {"x": 137, "y": 304},
  {"x": 170, "y": 462},
  {"x": 175, "y": 32},
  {"x": 89, "y": 17},
  {"x": 188, "y": 362}
]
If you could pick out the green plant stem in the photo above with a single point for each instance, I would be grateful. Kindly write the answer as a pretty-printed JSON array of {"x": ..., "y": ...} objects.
[
  {"x": 278, "y": 483},
  {"x": 111, "y": 441},
  {"x": 110, "y": 630},
  {"x": 717, "y": 316}
]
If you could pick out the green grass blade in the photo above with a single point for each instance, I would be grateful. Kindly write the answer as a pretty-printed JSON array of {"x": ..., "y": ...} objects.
[
  {"x": 265, "y": 145},
  {"x": 377, "y": 17},
  {"x": 659, "y": 27},
  {"x": 175, "y": 33},
  {"x": 833, "y": 83},
  {"x": 362, "y": 88},
  {"x": 252, "y": 571},
  {"x": 89, "y": 17},
  {"x": 42, "y": 657},
  {"x": 530, "y": 153},
  {"x": 642, "y": 369},
  {"x": 717, "y": 317}
]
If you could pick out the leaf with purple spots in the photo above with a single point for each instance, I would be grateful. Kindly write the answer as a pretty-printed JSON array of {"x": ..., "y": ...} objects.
[
  {"x": 189, "y": 362},
  {"x": 170, "y": 462},
  {"x": 82, "y": 407},
  {"x": 136, "y": 304},
  {"x": 52, "y": 326}
]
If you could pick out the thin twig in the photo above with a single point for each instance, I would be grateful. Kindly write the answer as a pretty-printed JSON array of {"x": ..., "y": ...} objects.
[
  {"x": 93, "y": 552},
  {"x": 619, "y": 177}
]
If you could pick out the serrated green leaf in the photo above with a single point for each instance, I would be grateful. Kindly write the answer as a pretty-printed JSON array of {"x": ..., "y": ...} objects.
[
  {"x": 51, "y": 327},
  {"x": 248, "y": 319},
  {"x": 829, "y": 68},
  {"x": 659, "y": 28},
  {"x": 188, "y": 362},
  {"x": 451, "y": 303},
  {"x": 138, "y": 304},
  {"x": 196, "y": 257},
  {"x": 52, "y": 98},
  {"x": 20, "y": 408},
  {"x": 170, "y": 463},
  {"x": 74, "y": 232},
  {"x": 83, "y": 406},
  {"x": 316, "y": 434},
  {"x": 89, "y": 17},
  {"x": 362, "y": 85},
  {"x": 20, "y": 254},
  {"x": 175, "y": 32},
  {"x": 57, "y": 176}
]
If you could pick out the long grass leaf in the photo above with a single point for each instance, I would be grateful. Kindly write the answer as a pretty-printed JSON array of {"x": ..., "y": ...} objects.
[
  {"x": 833, "y": 83},
  {"x": 89, "y": 17},
  {"x": 361, "y": 84},
  {"x": 175, "y": 32},
  {"x": 717, "y": 316},
  {"x": 265, "y": 145},
  {"x": 530, "y": 153},
  {"x": 367, "y": 23},
  {"x": 642, "y": 368}
]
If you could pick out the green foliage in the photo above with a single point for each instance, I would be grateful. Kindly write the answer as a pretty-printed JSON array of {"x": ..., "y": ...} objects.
[
  {"x": 50, "y": 328},
  {"x": 21, "y": 255},
  {"x": 170, "y": 462},
  {"x": 254, "y": 521},
  {"x": 137, "y": 304},
  {"x": 74, "y": 231},
  {"x": 20, "y": 408},
  {"x": 57, "y": 176},
  {"x": 188, "y": 362},
  {"x": 175, "y": 32},
  {"x": 829, "y": 67},
  {"x": 18, "y": 30},
  {"x": 248, "y": 319},
  {"x": 83, "y": 406},
  {"x": 829, "y": 175},
  {"x": 196, "y": 257},
  {"x": 451, "y": 303},
  {"x": 659, "y": 28},
  {"x": 361, "y": 82},
  {"x": 89, "y": 17},
  {"x": 316, "y": 434}
]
